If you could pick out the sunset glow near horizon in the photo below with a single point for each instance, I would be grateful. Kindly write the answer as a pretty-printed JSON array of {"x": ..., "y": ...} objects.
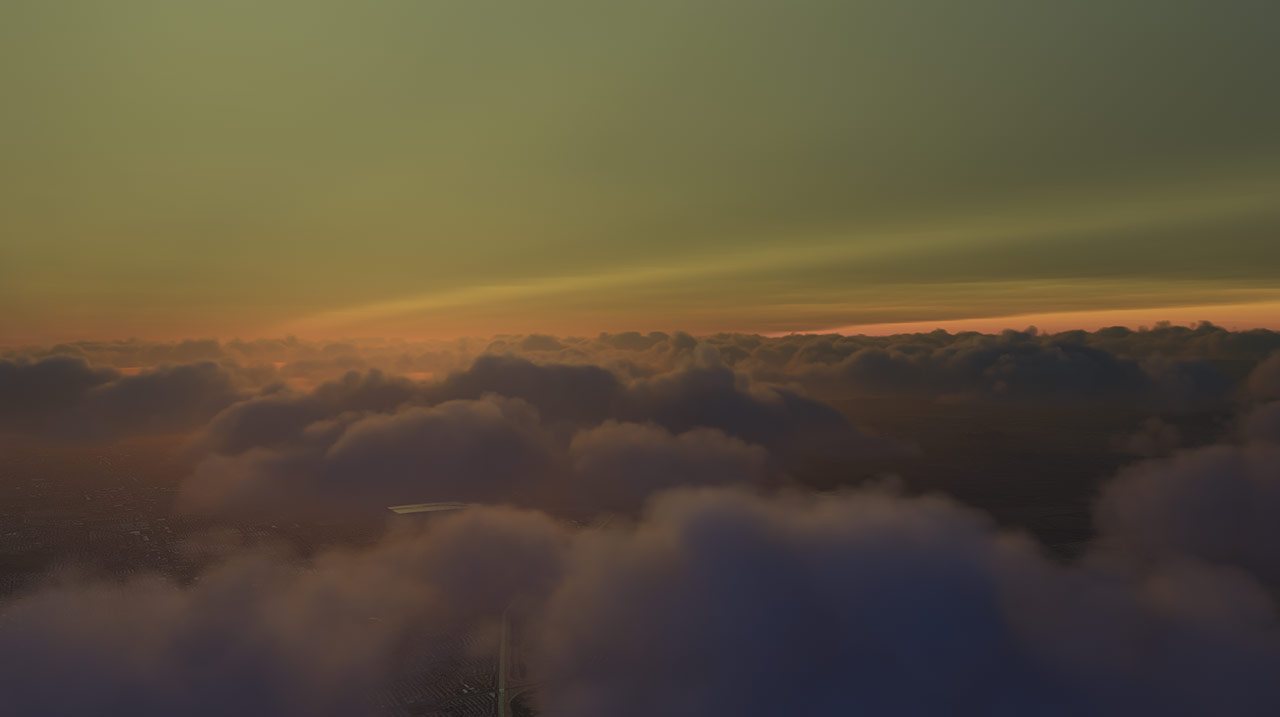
[{"x": 435, "y": 169}]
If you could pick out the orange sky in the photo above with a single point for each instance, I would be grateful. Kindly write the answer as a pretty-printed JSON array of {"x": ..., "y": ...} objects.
[{"x": 1264, "y": 315}]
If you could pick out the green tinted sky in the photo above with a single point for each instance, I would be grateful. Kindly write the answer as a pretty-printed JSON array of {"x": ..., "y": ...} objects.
[{"x": 432, "y": 167}]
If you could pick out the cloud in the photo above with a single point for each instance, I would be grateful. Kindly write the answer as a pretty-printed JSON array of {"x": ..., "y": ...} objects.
[
  {"x": 1217, "y": 504},
  {"x": 32, "y": 391},
  {"x": 1264, "y": 381},
  {"x": 257, "y": 636},
  {"x": 617, "y": 466},
  {"x": 721, "y": 602},
  {"x": 1013, "y": 365},
  {"x": 507, "y": 429},
  {"x": 489, "y": 450},
  {"x": 280, "y": 416},
  {"x": 716, "y": 600},
  {"x": 710, "y": 395},
  {"x": 66, "y": 396},
  {"x": 167, "y": 398},
  {"x": 1176, "y": 366},
  {"x": 1155, "y": 437},
  {"x": 540, "y": 342},
  {"x": 725, "y": 603},
  {"x": 1263, "y": 423},
  {"x": 561, "y": 392},
  {"x": 731, "y": 598}
]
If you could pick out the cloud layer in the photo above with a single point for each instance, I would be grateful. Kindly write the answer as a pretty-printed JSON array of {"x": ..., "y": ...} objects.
[
  {"x": 716, "y": 599},
  {"x": 721, "y": 589},
  {"x": 67, "y": 396},
  {"x": 575, "y": 437}
]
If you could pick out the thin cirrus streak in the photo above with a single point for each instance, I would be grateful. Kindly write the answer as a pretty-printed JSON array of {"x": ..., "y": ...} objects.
[{"x": 1168, "y": 209}]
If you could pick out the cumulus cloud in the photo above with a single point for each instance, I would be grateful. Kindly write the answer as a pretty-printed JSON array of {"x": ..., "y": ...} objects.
[
  {"x": 1155, "y": 437},
  {"x": 491, "y": 450},
  {"x": 507, "y": 429},
  {"x": 280, "y": 416},
  {"x": 733, "y": 597},
  {"x": 167, "y": 398},
  {"x": 617, "y": 466},
  {"x": 717, "y": 397},
  {"x": 1217, "y": 504},
  {"x": 253, "y": 637},
  {"x": 67, "y": 396},
  {"x": 1264, "y": 381},
  {"x": 716, "y": 601},
  {"x": 32, "y": 391},
  {"x": 561, "y": 392},
  {"x": 541, "y": 342},
  {"x": 134, "y": 352},
  {"x": 1012, "y": 365},
  {"x": 1263, "y": 423},
  {"x": 488, "y": 450},
  {"x": 723, "y": 603},
  {"x": 1173, "y": 364}
]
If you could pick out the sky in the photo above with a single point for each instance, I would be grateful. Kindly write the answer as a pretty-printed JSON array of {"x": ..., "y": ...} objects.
[{"x": 435, "y": 168}]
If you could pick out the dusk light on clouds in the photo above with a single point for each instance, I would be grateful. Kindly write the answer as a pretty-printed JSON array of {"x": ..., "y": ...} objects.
[{"x": 661, "y": 358}]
